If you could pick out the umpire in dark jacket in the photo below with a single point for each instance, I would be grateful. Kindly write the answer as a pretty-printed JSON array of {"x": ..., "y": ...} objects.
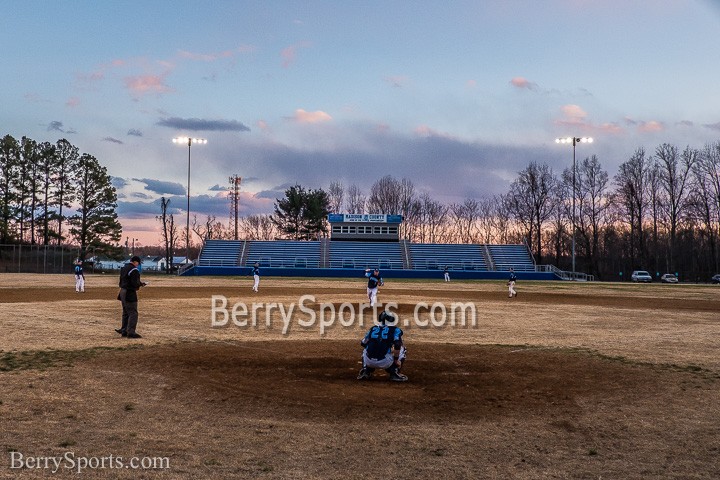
[{"x": 129, "y": 285}]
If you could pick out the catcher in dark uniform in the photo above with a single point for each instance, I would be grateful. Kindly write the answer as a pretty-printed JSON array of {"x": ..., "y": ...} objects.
[{"x": 378, "y": 344}]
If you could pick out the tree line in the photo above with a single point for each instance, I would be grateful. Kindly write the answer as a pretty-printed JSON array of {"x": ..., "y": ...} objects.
[
  {"x": 659, "y": 212},
  {"x": 51, "y": 194}
]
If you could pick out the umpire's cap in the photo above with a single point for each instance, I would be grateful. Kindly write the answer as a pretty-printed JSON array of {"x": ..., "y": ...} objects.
[{"x": 386, "y": 317}]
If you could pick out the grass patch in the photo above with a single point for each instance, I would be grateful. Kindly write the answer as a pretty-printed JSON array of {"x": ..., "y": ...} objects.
[{"x": 44, "y": 359}]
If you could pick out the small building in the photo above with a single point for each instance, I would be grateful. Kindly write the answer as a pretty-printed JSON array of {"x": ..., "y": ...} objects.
[
  {"x": 368, "y": 227},
  {"x": 177, "y": 262}
]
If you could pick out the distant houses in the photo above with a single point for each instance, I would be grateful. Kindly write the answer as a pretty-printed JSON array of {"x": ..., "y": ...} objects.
[{"x": 149, "y": 263}]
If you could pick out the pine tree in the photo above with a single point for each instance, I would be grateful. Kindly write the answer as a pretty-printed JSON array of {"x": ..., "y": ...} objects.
[
  {"x": 302, "y": 214},
  {"x": 95, "y": 225},
  {"x": 9, "y": 171}
]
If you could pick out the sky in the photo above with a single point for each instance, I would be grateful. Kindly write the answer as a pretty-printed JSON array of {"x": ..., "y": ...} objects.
[{"x": 457, "y": 96}]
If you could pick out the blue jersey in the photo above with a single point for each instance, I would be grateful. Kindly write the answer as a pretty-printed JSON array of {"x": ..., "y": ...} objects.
[
  {"x": 513, "y": 277},
  {"x": 380, "y": 339},
  {"x": 78, "y": 270},
  {"x": 256, "y": 271},
  {"x": 373, "y": 279}
]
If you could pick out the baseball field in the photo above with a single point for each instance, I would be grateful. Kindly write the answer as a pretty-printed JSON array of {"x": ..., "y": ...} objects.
[{"x": 567, "y": 380}]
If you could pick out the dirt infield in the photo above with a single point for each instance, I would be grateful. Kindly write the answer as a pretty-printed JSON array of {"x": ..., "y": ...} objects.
[{"x": 564, "y": 381}]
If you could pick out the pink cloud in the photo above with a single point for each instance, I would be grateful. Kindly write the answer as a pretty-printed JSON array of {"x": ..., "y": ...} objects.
[
  {"x": 289, "y": 54},
  {"x": 143, "y": 84},
  {"x": 426, "y": 131},
  {"x": 471, "y": 84},
  {"x": 72, "y": 102},
  {"x": 301, "y": 116},
  {"x": 610, "y": 128},
  {"x": 522, "y": 82},
  {"x": 573, "y": 113},
  {"x": 651, "y": 126}
]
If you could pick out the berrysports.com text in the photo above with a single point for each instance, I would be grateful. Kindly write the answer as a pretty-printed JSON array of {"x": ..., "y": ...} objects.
[
  {"x": 327, "y": 315},
  {"x": 69, "y": 462}
]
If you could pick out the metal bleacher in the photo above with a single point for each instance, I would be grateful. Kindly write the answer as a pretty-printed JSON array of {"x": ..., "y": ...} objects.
[
  {"x": 516, "y": 257},
  {"x": 349, "y": 254},
  {"x": 437, "y": 256},
  {"x": 224, "y": 253},
  {"x": 363, "y": 254},
  {"x": 284, "y": 254}
]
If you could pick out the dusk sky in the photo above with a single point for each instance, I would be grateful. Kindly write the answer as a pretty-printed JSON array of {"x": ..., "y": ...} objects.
[{"x": 457, "y": 96}]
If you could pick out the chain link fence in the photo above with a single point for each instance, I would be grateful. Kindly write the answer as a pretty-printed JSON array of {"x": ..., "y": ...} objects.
[{"x": 37, "y": 258}]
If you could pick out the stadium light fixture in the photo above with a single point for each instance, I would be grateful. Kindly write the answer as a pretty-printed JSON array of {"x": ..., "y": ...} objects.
[
  {"x": 574, "y": 141},
  {"x": 189, "y": 141}
]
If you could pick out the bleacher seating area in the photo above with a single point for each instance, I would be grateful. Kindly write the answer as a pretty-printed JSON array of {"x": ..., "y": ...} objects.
[
  {"x": 224, "y": 253},
  {"x": 361, "y": 255},
  {"x": 434, "y": 256},
  {"x": 383, "y": 255},
  {"x": 284, "y": 254},
  {"x": 511, "y": 256}
]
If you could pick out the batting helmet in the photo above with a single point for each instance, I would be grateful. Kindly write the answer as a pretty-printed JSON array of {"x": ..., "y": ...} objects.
[{"x": 386, "y": 317}]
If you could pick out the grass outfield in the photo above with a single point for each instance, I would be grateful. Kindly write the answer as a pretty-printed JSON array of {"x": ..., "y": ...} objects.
[{"x": 572, "y": 380}]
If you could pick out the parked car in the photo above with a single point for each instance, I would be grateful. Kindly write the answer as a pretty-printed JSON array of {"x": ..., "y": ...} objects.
[
  {"x": 715, "y": 279},
  {"x": 641, "y": 276},
  {"x": 669, "y": 278}
]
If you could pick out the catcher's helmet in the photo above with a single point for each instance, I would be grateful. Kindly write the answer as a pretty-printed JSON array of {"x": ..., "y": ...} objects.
[{"x": 386, "y": 317}]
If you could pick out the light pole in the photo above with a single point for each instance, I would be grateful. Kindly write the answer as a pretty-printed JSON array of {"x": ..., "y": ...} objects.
[
  {"x": 189, "y": 141},
  {"x": 574, "y": 141}
]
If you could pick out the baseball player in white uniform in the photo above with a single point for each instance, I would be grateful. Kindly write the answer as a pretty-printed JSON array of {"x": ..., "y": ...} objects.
[
  {"x": 374, "y": 281},
  {"x": 79, "y": 278}
]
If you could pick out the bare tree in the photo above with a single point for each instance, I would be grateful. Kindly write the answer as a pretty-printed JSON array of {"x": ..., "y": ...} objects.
[
  {"x": 356, "y": 201},
  {"x": 560, "y": 216},
  {"x": 675, "y": 170},
  {"x": 386, "y": 196},
  {"x": 530, "y": 202},
  {"x": 432, "y": 215},
  {"x": 211, "y": 229},
  {"x": 631, "y": 197},
  {"x": 464, "y": 216},
  {"x": 702, "y": 205},
  {"x": 169, "y": 232},
  {"x": 593, "y": 204},
  {"x": 259, "y": 227},
  {"x": 336, "y": 194}
]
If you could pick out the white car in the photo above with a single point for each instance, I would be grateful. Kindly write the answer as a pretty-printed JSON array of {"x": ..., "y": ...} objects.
[
  {"x": 668, "y": 278},
  {"x": 641, "y": 276}
]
